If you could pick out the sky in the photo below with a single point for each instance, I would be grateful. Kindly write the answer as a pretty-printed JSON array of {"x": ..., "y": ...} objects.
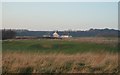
[
  {"x": 59, "y": 0},
  {"x": 59, "y": 15}
]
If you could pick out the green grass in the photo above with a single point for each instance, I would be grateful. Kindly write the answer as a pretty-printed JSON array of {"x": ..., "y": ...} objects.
[
  {"x": 65, "y": 56},
  {"x": 51, "y": 46}
]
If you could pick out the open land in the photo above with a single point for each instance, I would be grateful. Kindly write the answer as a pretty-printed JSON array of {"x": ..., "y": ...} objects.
[{"x": 72, "y": 55}]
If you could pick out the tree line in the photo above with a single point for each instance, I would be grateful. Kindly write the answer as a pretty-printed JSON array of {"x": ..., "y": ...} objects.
[
  {"x": 12, "y": 33},
  {"x": 8, "y": 34}
]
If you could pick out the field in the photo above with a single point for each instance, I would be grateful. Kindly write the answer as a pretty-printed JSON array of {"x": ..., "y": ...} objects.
[{"x": 74, "y": 55}]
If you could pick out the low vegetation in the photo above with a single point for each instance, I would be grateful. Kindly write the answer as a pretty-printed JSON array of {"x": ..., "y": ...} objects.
[
  {"x": 78, "y": 55},
  {"x": 59, "y": 63},
  {"x": 64, "y": 46}
]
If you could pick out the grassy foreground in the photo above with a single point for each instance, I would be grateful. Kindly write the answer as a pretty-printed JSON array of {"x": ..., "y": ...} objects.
[
  {"x": 60, "y": 63},
  {"x": 81, "y": 55}
]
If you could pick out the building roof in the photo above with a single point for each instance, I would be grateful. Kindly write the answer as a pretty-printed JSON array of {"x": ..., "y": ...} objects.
[{"x": 55, "y": 34}]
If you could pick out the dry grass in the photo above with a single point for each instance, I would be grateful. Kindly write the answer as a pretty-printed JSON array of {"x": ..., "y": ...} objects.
[
  {"x": 0, "y": 62},
  {"x": 15, "y": 62},
  {"x": 89, "y": 62}
]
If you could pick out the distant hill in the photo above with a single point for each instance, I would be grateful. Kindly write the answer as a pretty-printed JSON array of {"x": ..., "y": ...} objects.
[{"x": 89, "y": 33}]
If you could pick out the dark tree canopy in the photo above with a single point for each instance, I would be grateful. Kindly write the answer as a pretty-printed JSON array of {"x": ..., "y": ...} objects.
[{"x": 8, "y": 34}]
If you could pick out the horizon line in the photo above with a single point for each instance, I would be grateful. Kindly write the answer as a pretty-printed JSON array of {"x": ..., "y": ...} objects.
[{"x": 57, "y": 30}]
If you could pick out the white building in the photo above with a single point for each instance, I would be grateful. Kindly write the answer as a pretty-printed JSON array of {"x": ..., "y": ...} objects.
[
  {"x": 55, "y": 34},
  {"x": 65, "y": 36}
]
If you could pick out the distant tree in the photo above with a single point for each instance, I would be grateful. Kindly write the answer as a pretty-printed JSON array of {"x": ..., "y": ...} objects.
[{"x": 8, "y": 34}]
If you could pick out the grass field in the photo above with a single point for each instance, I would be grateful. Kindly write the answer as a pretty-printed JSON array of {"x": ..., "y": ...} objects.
[
  {"x": 64, "y": 46},
  {"x": 78, "y": 55}
]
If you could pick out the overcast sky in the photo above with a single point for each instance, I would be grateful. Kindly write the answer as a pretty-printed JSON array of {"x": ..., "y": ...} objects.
[{"x": 60, "y": 15}]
